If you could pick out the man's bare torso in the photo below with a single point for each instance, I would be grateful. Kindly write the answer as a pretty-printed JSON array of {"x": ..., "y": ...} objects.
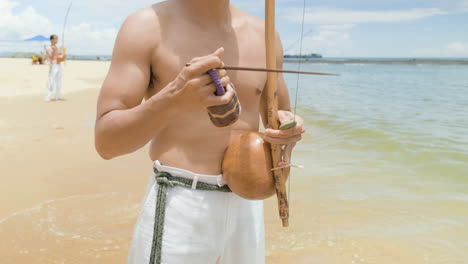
[
  {"x": 190, "y": 140},
  {"x": 53, "y": 54}
]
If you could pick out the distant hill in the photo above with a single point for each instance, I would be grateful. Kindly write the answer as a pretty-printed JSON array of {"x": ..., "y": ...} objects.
[
  {"x": 305, "y": 57},
  {"x": 22, "y": 54}
]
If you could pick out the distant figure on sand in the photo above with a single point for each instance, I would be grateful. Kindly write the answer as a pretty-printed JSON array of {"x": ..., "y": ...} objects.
[{"x": 55, "y": 58}]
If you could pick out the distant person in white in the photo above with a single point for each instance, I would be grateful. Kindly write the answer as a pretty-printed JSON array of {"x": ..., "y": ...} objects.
[{"x": 55, "y": 58}]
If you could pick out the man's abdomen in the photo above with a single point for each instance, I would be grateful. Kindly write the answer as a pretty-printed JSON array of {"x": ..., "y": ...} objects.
[{"x": 197, "y": 146}]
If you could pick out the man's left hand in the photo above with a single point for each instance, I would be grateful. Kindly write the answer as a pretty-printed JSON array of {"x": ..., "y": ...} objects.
[{"x": 288, "y": 137}]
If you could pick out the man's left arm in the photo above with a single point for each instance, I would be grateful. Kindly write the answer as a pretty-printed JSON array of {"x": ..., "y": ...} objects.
[{"x": 288, "y": 137}]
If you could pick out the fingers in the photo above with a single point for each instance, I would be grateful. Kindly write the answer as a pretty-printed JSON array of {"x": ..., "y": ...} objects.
[
  {"x": 225, "y": 80},
  {"x": 287, "y": 152},
  {"x": 221, "y": 73},
  {"x": 297, "y": 130},
  {"x": 213, "y": 100},
  {"x": 201, "y": 81},
  {"x": 206, "y": 85},
  {"x": 218, "y": 53},
  {"x": 201, "y": 67},
  {"x": 206, "y": 79},
  {"x": 299, "y": 120},
  {"x": 286, "y": 116},
  {"x": 282, "y": 141}
]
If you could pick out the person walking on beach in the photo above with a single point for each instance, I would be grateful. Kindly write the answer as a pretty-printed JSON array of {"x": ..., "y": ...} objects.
[
  {"x": 55, "y": 58},
  {"x": 151, "y": 96}
]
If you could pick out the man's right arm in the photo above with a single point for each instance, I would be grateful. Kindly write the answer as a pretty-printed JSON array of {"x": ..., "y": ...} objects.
[
  {"x": 49, "y": 54},
  {"x": 123, "y": 123}
]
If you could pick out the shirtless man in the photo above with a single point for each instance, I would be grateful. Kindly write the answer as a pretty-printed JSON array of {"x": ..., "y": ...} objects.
[
  {"x": 150, "y": 54},
  {"x": 55, "y": 57}
]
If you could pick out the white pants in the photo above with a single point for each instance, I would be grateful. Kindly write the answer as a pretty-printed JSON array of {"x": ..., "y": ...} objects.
[
  {"x": 55, "y": 82},
  {"x": 200, "y": 227}
]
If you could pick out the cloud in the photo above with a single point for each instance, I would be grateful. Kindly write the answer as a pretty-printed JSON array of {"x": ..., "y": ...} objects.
[
  {"x": 90, "y": 31},
  {"x": 454, "y": 6},
  {"x": 326, "y": 15},
  {"x": 113, "y": 12},
  {"x": 331, "y": 40},
  {"x": 458, "y": 47},
  {"x": 18, "y": 22},
  {"x": 93, "y": 30},
  {"x": 22, "y": 24},
  {"x": 83, "y": 39},
  {"x": 333, "y": 26},
  {"x": 454, "y": 49}
]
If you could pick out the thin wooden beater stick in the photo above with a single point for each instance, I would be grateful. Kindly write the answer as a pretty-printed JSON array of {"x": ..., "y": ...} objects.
[{"x": 238, "y": 68}]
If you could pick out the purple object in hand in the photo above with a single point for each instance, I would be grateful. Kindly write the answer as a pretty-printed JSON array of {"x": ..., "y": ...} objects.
[
  {"x": 226, "y": 114},
  {"x": 219, "y": 87}
]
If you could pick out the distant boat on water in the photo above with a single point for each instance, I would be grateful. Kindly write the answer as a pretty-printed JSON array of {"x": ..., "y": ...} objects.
[{"x": 303, "y": 57}]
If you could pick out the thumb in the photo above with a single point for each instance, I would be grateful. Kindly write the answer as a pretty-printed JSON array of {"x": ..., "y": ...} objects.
[
  {"x": 285, "y": 116},
  {"x": 219, "y": 52}
]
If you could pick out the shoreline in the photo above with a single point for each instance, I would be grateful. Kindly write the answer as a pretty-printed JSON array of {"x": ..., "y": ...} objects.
[
  {"x": 331, "y": 60},
  {"x": 389, "y": 61}
]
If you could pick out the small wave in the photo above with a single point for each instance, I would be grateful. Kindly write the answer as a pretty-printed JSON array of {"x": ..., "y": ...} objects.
[
  {"x": 51, "y": 201},
  {"x": 85, "y": 227}
]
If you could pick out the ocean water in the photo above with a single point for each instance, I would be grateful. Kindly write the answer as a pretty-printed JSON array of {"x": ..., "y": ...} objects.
[{"x": 386, "y": 156}]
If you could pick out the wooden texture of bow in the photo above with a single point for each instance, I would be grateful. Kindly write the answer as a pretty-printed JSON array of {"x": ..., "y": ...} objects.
[{"x": 272, "y": 108}]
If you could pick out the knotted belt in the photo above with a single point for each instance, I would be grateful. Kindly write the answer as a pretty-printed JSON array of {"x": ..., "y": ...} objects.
[{"x": 165, "y": 181}]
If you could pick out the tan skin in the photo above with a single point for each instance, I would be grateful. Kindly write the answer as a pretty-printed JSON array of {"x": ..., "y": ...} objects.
[
  {"x": 148, "y": 63},
  {"x": 53, "y": 53}
]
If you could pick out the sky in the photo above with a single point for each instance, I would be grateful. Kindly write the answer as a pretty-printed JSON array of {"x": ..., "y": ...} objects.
[{"x": 333, "y": 28}]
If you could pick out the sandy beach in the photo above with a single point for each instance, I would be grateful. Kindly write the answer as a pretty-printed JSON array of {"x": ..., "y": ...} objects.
[{"x": 61, "y": 203}]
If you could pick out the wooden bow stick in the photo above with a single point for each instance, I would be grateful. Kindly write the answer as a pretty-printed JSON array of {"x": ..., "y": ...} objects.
[{"x": 272, "y": 106}]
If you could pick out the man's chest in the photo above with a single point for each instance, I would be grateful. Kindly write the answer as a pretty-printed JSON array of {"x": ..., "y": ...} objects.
[{"x": 176, "y": 50}]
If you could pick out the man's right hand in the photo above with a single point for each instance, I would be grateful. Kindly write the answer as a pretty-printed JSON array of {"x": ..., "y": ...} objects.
[{"x": 194, "y": 86}]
